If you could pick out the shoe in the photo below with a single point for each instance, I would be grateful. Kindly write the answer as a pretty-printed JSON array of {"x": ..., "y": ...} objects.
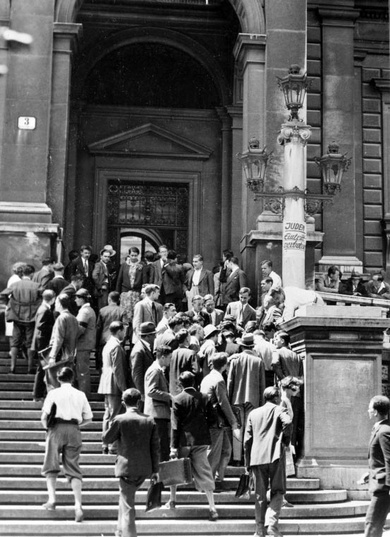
[
  {"x": 260, "y": 533},
  {"x": 105, "y": 450},
  {"x": 287, "y": 504},
  {"x": 12, "y": 371},
  {"x": 79, "y": 515},
  {"x": 49, "y": 506},
  {"x": 170, "y": 505},
  {"x": 213, "y": 515},
  {"x": 112, "y": 451}
]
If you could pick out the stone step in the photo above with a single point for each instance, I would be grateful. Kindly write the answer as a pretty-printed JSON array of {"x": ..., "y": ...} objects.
[
  {"x": 110, "y": 482},
  {"x": 31, "y": 424},
  {"x": 16, "y": 383},
  {"x": 65, "y": 497},
  {"x": 28, "y": 415},
  {"x": 193, "y": 511},
  {"x": 22, "y": 395},
  {"x": 40, "y": 435},
  {"x": 154, "y": 526},
  {"x": 32, "y": 405}
]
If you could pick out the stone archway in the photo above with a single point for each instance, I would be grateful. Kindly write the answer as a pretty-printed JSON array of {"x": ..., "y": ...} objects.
[{"x": 249, "y": 12}]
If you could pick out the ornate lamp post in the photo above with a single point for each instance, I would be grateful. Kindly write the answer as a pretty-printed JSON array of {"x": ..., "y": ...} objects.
[{"x": 292, "y": 200}]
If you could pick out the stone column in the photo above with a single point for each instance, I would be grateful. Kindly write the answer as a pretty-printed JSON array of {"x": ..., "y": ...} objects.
[
  {"x": 338, "y": 111},
  {"x": 226, "y": 187},
  {"x": 383, "y": 85},
  {"x": 235, "y": 112},
  {"x": 65, "y": 36},
  {"x": 342, "y": 349}
]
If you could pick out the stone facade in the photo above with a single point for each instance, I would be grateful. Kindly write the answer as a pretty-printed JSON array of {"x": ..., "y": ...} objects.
[{"x": 144, "y": 122}]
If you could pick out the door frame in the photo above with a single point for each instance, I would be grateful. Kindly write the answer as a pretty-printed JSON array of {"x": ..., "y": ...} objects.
[{"x": 108, "y": 169}]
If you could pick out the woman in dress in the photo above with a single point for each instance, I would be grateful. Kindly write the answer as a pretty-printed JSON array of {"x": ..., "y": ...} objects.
[{"x": 129, "y": 283}]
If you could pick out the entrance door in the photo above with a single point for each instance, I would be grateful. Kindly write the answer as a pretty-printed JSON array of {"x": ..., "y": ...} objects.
[{"x": 147, "y": 214}]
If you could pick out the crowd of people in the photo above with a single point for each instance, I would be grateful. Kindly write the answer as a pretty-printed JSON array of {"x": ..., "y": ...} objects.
[{"x": 179, "y": 347}]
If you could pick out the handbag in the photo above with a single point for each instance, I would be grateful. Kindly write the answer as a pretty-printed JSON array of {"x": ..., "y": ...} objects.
[
  {"x": 175, "y": 472},
  {"x": 244, "y": 486},
  {"x": 51, "y": 418},
  {"x": 153, "y": 496}
]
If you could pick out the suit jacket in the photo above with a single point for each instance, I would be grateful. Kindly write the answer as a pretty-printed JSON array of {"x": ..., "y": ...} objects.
[
  {"x": 267, "y": 432},
  {"x": 123, "y": 281},
  {"x": 57, "y": 285},
  {"x": 86, "y": 318},
  {"x": 379, "y": 457},
  {"x": 143, "y": 313},
  {"x": 44, "y": 322},
  {"x": 43, "y": 276},
  {"x": 217, "y": 315},
  {"x": 206, "y": 281},
  {"x": 189, "y": 426},
  {"x": 138, "y": 444},
  {"x": 64, "y": 336},
  {"x": 77, "y": 267},
  {"x": 286, "y": 362},
  {"x": 235, "y": 281},
  {"x": 107, "y": 315},
  {"x": 101, "y": 277},
  {"x": 234, "y": 308},
  {"x": 182, "y": 360},
  {"x": 246, "y": 379},
  {"x": 214, "y": 386},
  {"x": 113, "y": 380},
  {"x": 141, "y": 358},
  {"x": 24, "y": 300},
  {"x": 157, "y": 398},
  {"x": 169, "y": 277}
]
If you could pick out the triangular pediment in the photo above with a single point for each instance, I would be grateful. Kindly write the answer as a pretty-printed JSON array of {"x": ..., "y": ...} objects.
[{"x": 150, "y": 140}]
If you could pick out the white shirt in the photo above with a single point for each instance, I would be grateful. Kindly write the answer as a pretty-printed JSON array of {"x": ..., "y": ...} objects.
[
  {"x": 276, "y": 279},
  {"x": 71, "y": 404},
  {"x": 196, "y": 276}
]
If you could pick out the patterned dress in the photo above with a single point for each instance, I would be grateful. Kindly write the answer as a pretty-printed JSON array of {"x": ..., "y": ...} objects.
[{"x": 130, "y": 298}]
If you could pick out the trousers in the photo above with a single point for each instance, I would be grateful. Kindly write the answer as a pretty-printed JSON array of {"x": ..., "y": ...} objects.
[
  {"x": 377, "y": 513},
  {"x": 128, "y": 486},
  {"x": 274, "y": 474}
]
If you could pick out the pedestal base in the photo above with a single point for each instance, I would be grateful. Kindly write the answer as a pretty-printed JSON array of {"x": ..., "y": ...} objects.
[{"x": 345, "y": 263}]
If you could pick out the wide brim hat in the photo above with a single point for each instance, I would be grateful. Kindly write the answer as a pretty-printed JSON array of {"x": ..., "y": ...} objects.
[
  {"x": 147, "y": 329},
  {"x": 247, "y": 340},
  {"x": 210, "y": 330},
  {"x": 110, "y": 249}
]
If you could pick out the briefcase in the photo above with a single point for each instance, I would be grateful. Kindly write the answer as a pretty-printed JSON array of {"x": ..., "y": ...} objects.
[{"x": 175, "y": 472}]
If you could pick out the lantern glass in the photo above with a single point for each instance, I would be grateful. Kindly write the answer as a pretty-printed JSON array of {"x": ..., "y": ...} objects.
[{"x": 294, "y": 87}]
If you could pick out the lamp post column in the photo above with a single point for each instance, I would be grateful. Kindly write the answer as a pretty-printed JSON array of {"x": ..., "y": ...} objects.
[{"x": 293, "y": 137}]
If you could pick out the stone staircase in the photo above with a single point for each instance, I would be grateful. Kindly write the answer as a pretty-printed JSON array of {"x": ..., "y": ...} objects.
[{"x": 23, "y": 489}]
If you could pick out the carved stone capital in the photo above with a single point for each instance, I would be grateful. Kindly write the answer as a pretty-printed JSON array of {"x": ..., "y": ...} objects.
[{"x": 294, "y": 132}]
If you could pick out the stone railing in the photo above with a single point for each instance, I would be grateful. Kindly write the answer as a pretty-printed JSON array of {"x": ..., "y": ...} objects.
[{"x": 350, "y": 300}]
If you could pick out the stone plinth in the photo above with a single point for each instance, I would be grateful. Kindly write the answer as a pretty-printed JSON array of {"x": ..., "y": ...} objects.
[{"x": 342, "y": 348}]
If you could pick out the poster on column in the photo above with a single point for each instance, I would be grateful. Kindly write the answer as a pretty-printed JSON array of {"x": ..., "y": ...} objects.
[{"x": 294, "y": 238}]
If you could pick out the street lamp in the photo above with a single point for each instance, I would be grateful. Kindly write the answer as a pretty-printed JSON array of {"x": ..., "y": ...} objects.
[{"x": 293, "y": 200}]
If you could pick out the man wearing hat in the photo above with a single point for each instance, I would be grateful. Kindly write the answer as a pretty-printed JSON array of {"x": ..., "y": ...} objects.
[
  {"x": 86, "y": 342},
  {"x": 141, "y": 357},
  {"x": 102, "y": 277},
  {"x": 208, "y": 348},
  {"x": 246, "y": 384}
]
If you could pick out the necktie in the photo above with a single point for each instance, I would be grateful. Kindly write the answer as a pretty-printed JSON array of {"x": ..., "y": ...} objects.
[
  {"x": 154, "y": 311},
  {"x": 86, "y": 267}
]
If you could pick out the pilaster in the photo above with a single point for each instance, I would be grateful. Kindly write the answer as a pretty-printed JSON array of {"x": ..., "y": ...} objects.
[{"x": 339, "y": 109}]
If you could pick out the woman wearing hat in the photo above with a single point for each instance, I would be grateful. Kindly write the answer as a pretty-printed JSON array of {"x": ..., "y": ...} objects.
[{"x": 129, "y": 283}]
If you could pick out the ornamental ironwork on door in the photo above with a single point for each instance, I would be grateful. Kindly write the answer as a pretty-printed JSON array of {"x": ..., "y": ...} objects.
[{"x": 150, "y": 205}]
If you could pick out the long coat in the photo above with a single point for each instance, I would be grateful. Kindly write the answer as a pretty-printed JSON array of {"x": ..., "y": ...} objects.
[
  {"x": 246, "y": 380},
  {"x": 157, "y": 398},
  {"x": 379, "y": 458},
  {"x": 113, "y": 380},
  {"x": 44, "y": 322}
]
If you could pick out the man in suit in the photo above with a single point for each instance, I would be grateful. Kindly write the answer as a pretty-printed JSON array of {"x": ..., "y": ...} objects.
[
  {"x": 183, "y": 359},
  {"x": 82, "y": 266},
  {"x": 138, "y": 457},
  {"x": 102, "y": 278},
  {"x": 158, "y": 399},
  {"x": 216, "y": 315},
  {"x": 58, "y": 283},
  {"x": 113, "y": 381},
  {"x": 235, "y": 281},
  {"x": 141, "y": 357},
  {"x": 76, "y": 281},
  {"x": 246, "y": 383},
  {"x": 199, "y": 281},
  {"x": 86, "y": 342},
  {"x": 266, "y": 435},
  {"x": 222, "y": 418},
  {"x": 171, "y": 289},
  {"x": 379, "y": 464},
  {"x": 44, "y": 322},
  {"x": 241, "y": 310},
  {"x": 46, "y": 273},
  {"x": 107, "y": 315},
  {"x": 147, "y": 310},
  {"x": 190, "y": 438},
  {"x": 24, "y": 300},
  {"x": 63, "y": 340}
]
